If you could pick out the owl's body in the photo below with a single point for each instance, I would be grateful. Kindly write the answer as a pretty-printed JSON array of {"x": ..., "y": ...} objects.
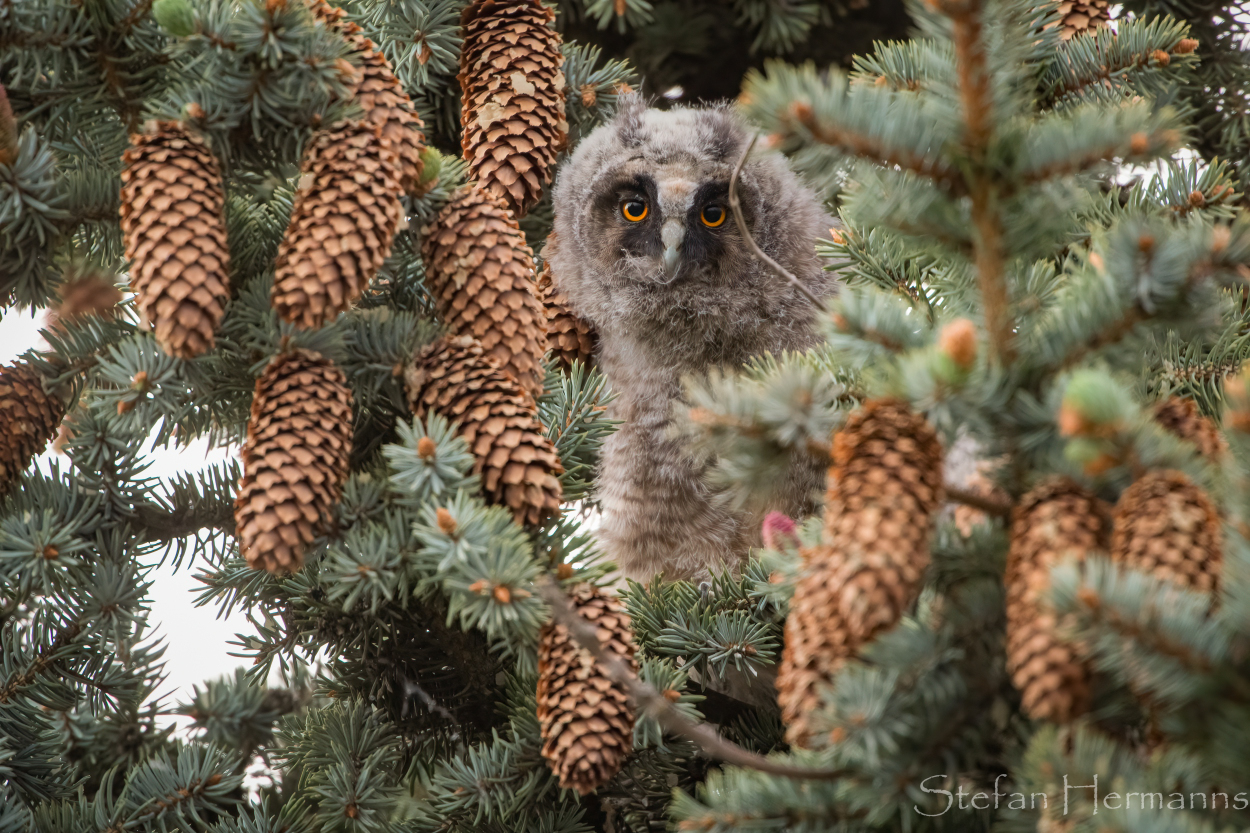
[{"x": 649, "y": 254}]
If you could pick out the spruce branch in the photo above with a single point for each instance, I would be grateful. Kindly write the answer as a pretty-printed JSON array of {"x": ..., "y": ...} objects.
[
  {"x": 735, "y": 205},
  {"x": 47, "y": 657},
  {"x": 658, "y": 706},
  {"x": 866, "y": 147},
  {"x": 976, "y": 99},
  {"x": 1111, "y": 334}
]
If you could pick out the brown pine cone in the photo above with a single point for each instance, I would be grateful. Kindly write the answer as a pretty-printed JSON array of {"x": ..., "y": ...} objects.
[
  {"x": 383, "y": 98},
  {"x": 569, "y": 337},
  {"x": 1055, "y": 521},
  {"x": 295, "y": 459},
  {"x": 586, "y": 719},
  {"x": 29, "y": 417},
  {"x": 342, "y": 224},
  {"x": 884, "y": 486},
  {"x": 1182, "y": 417},
  {"x": 1081, "y": 16},
  {"x": 175, "y": 236},
  {"x": 481, "y": 274},
  {"x": 1167, "y": 526},
  {"x": 455, "y": 378},
  {"x": 513, "y": 93}
]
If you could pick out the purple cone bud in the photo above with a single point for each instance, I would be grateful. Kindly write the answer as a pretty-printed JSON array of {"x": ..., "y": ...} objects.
[{"x": 779, "y": 531}]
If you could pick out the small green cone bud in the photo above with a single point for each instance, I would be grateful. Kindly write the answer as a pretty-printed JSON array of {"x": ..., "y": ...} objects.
[
  {"x": 946, "y": 370},
  {"x": 1093, "y": 404},
  {"x": 175, "y": 16},
  {"x": 431, "y": 167},
  {"x": 1093, "y": 456},
  {"x": 1082, "y": 450}
]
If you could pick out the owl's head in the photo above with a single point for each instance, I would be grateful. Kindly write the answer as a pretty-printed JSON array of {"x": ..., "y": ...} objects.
[{"x": 644, "y": 226}]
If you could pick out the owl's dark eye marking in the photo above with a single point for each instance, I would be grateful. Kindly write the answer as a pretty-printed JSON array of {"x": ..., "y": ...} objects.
[
  {"x": 712, "y": 216},
  {"x": 634, "y": 210}
]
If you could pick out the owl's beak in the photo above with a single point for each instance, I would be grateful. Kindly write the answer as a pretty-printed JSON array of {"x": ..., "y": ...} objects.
[{"x": 671, "y": 235}]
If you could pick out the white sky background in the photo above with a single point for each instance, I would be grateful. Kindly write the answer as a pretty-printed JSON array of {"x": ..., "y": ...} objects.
[{"x": 196, "y": 639}]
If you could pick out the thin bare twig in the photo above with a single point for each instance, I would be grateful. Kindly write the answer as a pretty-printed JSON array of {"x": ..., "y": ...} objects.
[
  {"x": 657, "y": 705},
  {"x": 735, "y": 205},
  {"x": 989, "y": 505}
]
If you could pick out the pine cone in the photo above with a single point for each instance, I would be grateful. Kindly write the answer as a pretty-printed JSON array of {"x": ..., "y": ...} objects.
[
  {"x": 295, "y": 459},
  {"x": 481, "y": 273},
  {"x": 342, "y": 224},
  {"x": 587, "y": 721},
  {"x": 383, "y": 98},
  {"x": 513, "y": 93},
  {"x": 884, "y": 486},
  {"x": 29, "y": 417},
  {"x": 175, "y": 236},
  {"x": 1080, "y": 16},
  {"x": 1055, "y": 521},
  {"x": 455, "y": 378},
  {"x": 1167, "y": 526},
  {"x": 1182, "y": 417},
  {"x": 569, "y": 337}
]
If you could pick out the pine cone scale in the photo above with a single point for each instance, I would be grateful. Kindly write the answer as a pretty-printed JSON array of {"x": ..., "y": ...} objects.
[
  {"x": 341, "y": 227},
  {"x": 586, "y": 720},
  {"x": 480, "y": 271},
  {"x": 1166, "y": 525},
  {"x": 1055, "y": 522},
  {"x": 513, "y": 114},
  {"x": 172, "y": 220},
  {"x": 456, "y": 378},
  {"x": 884, "y": 486},
  {"x": 295, "y": 459}
]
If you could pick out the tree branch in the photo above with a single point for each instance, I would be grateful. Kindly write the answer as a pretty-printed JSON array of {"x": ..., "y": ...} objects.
[
  {"x": 46, "y": 658},
  {"x": 1002, "y": 508},
  {"x": 866, "y": 147},
  {"x": 977, "y": 104},
  {"x": 657, "y": 705},
  {"x": 735, "y": 205}
]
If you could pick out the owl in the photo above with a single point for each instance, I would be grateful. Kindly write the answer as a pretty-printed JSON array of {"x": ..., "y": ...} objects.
[{"x": 646, "y": 250}]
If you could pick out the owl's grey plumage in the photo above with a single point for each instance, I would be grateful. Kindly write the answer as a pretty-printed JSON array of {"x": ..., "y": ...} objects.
[{"x": 647, "y": 251}]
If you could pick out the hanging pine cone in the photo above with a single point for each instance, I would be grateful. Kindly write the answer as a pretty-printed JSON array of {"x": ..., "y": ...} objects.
[
  {"x": 455, "y": 378},
  {"x": 1166, "y": 525},
  {"x": 382, "y": 97},
  {"x": 1081, "y": 16},
  {"x": 29, "y": 417},
  {"x": 295, "y": 459},
  {"x": 175, "y": 236},
  {"x": 587, "y": 721},
  {"x": 342, "y": 224},
  {"x": 569, "y": 337},
  {"x": 1182, "y": 417},
  {"x": 481, "y": 274},
  {"x": 884, "y": 486},
  {"x": 513, "y": 93},
  {"x": 1055, "y": 521}
]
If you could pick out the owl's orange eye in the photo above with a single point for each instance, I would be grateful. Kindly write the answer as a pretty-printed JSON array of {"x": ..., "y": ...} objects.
[
  {"x": 634, "y": 210},
  {"x": 712, "y": 216}
]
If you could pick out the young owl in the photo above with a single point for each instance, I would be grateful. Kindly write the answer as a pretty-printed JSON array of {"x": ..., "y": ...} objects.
[{"x": 648, "y": 252}]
